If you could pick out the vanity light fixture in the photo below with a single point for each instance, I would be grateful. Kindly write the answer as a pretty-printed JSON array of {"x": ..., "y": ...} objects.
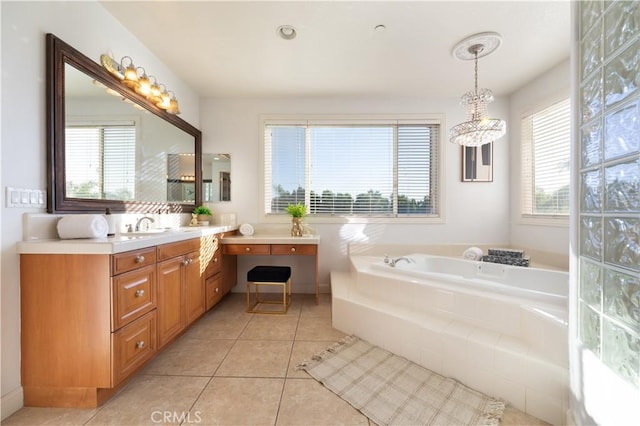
[
  {"x": 130, "y": 73},
  {"x": 142, "y": 84},
  {"x": 479, "y": 129},
  {"x": 173, "y": 105}
]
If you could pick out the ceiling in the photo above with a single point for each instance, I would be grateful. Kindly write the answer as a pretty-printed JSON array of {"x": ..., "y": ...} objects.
[{"x": 231, "y": 49}]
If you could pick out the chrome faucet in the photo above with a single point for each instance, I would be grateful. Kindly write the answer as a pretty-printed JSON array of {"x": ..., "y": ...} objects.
[
  {"x": 392, "y": 262},
  {"x": 141, "y": 220}
]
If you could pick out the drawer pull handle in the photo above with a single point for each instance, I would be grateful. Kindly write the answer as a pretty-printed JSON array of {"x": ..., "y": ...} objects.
[
  {"x": 293, "y": 249},
  {"x": 215, "y": 259},
  {"x": 139, "y": 258},
  {"x": 139, "y": 293},
  {"x": 186, "y": 262},
  {"x": 140, "y": 344},
  {"x": 217, "y": 290},
  {"x": 247, "y": 249}
]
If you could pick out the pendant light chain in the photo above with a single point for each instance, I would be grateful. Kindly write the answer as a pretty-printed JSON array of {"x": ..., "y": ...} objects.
[{"x": 475, "y": 89}]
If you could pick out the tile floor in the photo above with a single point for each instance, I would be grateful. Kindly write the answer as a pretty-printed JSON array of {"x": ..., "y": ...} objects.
[{"x": 232, "y": 368}]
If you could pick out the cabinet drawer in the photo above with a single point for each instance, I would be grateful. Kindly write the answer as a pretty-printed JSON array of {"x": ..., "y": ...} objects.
[
  {"x": 239, "y": 249},
  {"x": 133, "y": 345},
  {"x": 215, "y": 265},
  {"x": 167, "y": 251},
  {"x": 213, "y": 290},
  {"x": 210, "y": 255},
  {"x": 128, "y": 261},
  {"x": 301, "y": 249},
  {"x": 134, "y": 294}
]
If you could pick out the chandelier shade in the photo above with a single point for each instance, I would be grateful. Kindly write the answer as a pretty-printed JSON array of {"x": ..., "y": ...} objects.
[{"x": 479, "y": 129}]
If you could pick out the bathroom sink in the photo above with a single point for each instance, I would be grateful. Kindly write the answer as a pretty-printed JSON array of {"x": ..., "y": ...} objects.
[{"x": 153, "y": 231}]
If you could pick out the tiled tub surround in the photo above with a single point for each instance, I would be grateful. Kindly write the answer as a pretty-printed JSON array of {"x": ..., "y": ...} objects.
[{"x": 507, "y": 345}]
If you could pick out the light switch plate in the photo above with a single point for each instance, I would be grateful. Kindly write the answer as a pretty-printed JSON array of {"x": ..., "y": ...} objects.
[{"x": 19, "y": 197}]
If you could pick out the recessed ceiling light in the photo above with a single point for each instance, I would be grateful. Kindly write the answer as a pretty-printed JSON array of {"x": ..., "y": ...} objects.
[{"x": 287, "y": 32}]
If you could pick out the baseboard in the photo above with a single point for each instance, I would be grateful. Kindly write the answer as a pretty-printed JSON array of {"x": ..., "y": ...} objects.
[{"x": 11, "y": 402}]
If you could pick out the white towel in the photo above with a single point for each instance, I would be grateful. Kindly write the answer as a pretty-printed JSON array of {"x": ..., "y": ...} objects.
[
  {"x": 473, "y": 253},
  {"x": 83, "y": 226}
]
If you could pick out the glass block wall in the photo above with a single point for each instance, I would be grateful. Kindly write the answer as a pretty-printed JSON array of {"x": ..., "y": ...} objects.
[{"x": 609, "y": 190}]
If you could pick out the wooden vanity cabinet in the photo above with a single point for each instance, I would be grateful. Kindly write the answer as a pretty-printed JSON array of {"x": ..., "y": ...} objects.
[{"x": 88, "y": 322}]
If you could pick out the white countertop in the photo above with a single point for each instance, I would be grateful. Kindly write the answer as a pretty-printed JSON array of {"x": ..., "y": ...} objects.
[
  {"x": 118, "y": 243},
  {"x": 271, "y": 239}
]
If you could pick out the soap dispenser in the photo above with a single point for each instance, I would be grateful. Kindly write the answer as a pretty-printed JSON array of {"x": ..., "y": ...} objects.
[{"x": 111, "y": 222}]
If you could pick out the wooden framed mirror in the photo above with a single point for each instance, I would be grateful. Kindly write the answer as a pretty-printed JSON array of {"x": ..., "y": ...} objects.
[{"x": 109, "y": 147}]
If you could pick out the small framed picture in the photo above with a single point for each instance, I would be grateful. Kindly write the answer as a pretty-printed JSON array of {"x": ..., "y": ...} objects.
[
  {"x": 188, "y": 192},
  {"x": 477, "y": 163}
]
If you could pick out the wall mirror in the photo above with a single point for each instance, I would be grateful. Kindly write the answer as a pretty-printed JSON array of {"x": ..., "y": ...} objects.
[
  {"x": 109, "y": 147},
  {"x": 216, "y": 178}
]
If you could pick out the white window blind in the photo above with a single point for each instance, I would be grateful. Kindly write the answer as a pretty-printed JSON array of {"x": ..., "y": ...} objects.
[
  {"x": 352, "y": 169},
  {"x": 545, "y": 161},
  {"x": 100, "y": 161}
]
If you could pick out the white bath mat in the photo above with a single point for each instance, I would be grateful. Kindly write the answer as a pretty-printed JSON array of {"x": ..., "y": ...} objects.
[{"x": 391, "y": 390}]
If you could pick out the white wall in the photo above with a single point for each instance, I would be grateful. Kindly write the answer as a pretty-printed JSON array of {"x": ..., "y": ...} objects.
[
  {"x": 91, "y": 30},
  {"x": 475, "y": 212},
  {"x": 551, "y": 86}
]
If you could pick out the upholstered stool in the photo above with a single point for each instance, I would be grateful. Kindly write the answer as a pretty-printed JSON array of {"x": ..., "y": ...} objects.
[{"x": 271, "y": 276}]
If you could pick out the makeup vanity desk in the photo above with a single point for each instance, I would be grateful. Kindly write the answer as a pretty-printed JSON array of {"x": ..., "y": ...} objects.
[{"x": 274, "y": 245}]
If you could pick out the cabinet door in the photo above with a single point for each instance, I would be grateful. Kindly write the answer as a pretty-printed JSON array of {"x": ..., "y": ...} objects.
[
  {"x": 194, "y": 295},
  {"x": 170, "y": 318}
]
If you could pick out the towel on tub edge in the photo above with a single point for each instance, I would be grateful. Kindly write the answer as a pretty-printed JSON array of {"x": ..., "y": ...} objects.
[
  {"x": 82, "y": 226},
  {"x": 473, "y": 253}
]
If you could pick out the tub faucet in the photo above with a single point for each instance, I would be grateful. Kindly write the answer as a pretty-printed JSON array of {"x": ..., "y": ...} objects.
[
  {"x": 392, "y": 262},
  {"x": 142, "y": 219}
]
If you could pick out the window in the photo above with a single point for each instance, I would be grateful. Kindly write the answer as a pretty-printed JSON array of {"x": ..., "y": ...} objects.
[
  {"x": 364, "y": 169},
  {"x": 545, "y": 162},
  {"x": 104, "y": 161}
]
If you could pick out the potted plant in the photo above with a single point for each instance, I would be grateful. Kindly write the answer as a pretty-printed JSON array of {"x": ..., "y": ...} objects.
[
  {"x": 297, "y": 212},
  {"x": 202, "y": 214}
]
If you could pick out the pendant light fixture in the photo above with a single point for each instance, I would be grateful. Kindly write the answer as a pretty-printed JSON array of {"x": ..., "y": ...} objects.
[{"x": 479, "y": 129}]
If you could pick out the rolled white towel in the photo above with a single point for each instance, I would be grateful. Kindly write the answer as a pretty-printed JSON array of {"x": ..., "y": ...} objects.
[
  {"x": 473, "y": 253},
  {"x": 82, "y": 226}
]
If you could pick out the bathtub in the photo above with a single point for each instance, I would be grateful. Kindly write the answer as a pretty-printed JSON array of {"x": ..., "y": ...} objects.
[
  {"x": 497, "y": 328},
  {"x": 534, "y": 284}
]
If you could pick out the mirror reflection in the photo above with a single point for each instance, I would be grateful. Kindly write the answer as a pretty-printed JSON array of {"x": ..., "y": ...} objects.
[
  {"x": 216, "y": 177},
  {"x": 116, "y": 150},
  {"x": 108, "y": 146}
]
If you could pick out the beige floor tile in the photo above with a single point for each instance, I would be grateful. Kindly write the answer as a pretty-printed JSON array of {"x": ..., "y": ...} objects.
[
  {"x": 317, "y": 328},
  {"x": 307, "y": 402},
  {"x": 304, "y": 350},
  {"x": 270, "y": 327},
  {"x": 188, "y": 356},
  {"x": 257, "y": 358},
  {"x": 33, "y": 416},
  {"x": 147, "y": 399},
  {"x": 220, "y": 325},
  {"x": 322, "y": 309},
  {"x": 233, "y": 302},
  {"x": 239, "y": 401}
]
